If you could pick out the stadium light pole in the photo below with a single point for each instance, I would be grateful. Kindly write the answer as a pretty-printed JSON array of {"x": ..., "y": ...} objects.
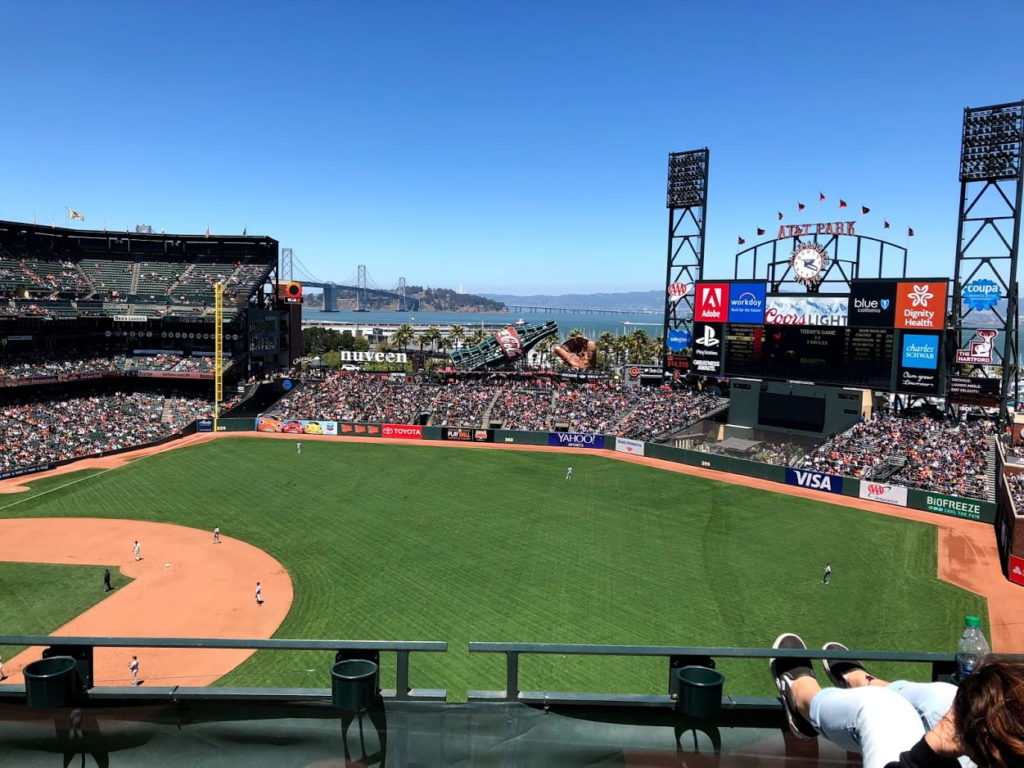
[
  {"x": 686, "y": 201},
  {"x": 985, "y": 300}
]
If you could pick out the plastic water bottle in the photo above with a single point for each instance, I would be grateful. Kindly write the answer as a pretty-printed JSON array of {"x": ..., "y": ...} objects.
[{"x": 972, "y": 648}]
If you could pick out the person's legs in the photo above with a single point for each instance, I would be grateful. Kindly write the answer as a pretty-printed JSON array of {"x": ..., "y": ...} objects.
[{"x": 872, "y": 720}]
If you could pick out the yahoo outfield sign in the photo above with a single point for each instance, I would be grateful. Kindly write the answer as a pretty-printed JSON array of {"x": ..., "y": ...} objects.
[
  {"x": 887, "y": 494},
  {"x": 576, "y": 439},
  {"x": 632, "y": 447},
  {"x": 817, "y": 481}
]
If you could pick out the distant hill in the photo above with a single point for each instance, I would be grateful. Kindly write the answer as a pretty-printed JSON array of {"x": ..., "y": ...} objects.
[{"x": 626, "y": 302}]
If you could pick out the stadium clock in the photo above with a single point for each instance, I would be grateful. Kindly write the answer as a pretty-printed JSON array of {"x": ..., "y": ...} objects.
[{"x": 809, "y": 262}]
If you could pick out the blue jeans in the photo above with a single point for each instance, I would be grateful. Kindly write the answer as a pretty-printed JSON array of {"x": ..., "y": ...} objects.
[{"x": 881, "y": 721}]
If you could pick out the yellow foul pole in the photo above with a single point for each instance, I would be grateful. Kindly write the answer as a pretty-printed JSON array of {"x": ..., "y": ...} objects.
[{"x": 218, "y": 351}]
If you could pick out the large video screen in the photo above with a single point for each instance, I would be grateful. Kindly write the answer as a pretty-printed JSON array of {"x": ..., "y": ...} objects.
[{"x": 885, "y": 334}]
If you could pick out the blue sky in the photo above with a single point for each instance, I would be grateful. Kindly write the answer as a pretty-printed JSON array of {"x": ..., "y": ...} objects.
[{"x": 504, "y": 147}]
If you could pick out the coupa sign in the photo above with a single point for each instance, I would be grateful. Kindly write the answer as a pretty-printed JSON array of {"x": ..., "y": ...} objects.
[
  {"x": 576, "y": 439},
  {"x": 817, "y": 481}
]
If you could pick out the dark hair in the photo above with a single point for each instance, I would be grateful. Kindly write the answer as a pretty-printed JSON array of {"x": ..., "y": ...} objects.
[{"x": 989, "y": 712}]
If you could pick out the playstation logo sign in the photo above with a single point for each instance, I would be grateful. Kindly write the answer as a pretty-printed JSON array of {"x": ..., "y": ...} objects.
[
  {"x": 709, "y": 339},
  {"x": 707, "y": 348}
]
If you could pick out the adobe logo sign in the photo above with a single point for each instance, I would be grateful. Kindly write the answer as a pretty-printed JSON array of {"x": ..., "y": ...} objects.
[{"x": 712, "y": 303}]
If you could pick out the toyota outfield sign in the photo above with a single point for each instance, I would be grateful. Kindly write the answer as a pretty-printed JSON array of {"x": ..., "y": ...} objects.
[
  {"x": 883, "y": 492},
  {"x": 402, "y": 431},
  {"x": 576, "y": 440}
]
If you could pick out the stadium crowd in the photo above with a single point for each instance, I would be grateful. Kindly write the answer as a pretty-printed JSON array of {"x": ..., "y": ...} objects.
[
  {"x": 528, "y": 404},
  {"x": 919, "y": 452},
  {"x": 42, "y": 431},
  {"x": 24, "y": 368}
]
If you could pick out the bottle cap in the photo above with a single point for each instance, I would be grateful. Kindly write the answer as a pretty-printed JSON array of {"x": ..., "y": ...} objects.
[{"x": 972, "y": 621}]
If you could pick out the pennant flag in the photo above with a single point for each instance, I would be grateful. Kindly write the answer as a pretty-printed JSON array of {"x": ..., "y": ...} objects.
[
  {"x": 245, "y": 231},
  {"x": 821, "y": 197},
  {"x": 865, "y": 210},
  {"x": 885, "y": 224},
  {"x": 760, "y": 231},
  {"x": 800, "y": 206},
  {"x": 842, "y": 203},
  {"x": 910, "y": 232},
  {"x": 780, "y": 215},
  {"x": 740, "y": 241},
  {"x": 73, "y": 214},
  {"x": 207, "y": 231}
]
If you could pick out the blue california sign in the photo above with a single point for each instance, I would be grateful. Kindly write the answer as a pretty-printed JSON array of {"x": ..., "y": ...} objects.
[{"x": 982, "y": 294}]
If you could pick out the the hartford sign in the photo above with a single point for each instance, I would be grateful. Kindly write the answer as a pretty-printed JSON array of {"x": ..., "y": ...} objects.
[
  {"x": 817, "y": 481},
  {"x": 373, "y": 357}
]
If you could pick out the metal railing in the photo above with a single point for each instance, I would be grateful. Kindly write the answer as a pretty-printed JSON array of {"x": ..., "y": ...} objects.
[
  {"x": 942, "y": 666},
  {"x": 401, "y": 649}
]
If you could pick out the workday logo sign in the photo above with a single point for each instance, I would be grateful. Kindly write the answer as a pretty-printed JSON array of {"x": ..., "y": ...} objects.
[{"x": 747, "y": 302}]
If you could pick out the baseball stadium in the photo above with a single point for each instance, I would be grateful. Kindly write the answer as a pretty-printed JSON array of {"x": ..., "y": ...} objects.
[{"x": 528, "y": 550}]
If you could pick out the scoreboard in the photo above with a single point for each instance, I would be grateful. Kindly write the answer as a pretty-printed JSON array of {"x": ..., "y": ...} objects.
[{"x": 884, "y": 334}]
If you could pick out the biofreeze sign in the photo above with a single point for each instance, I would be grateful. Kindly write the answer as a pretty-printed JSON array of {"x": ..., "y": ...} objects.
[{"x": 817, "y": 481}]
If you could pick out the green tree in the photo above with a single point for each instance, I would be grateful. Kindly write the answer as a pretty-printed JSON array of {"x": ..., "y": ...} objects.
[
  {"x": 433, "y": 335},
  {"x": 605, "y": 345},
  {"x": 446, "y": 344},
  {"x": 457, "y": 334},
  {"x": 478, "y": 336},
  {"x": 402, "y": 336}
]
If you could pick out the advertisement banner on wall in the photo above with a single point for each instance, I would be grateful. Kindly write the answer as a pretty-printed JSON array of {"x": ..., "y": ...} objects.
[
  {"x": 1015, "y": 569},
  {"x": 883, "y": 492},
  {"x": 707, "y": 348},
  {"x": 806, "y": 310},
  {"x": 467, "y": 435},
  {"x": 747, "y": 302},
  {"x": 872, "y": 304},
  {"x": 919, "y": 362},
  {"x": 204, "y": 425},
  {"x": 632, "y": 447},
  {"x": 954, "y": 506},
  {"x": 710, "y": 304},
  {"x": 817, "y": 481},
  {"x": 296, "y": 426},
  {"x": 359, "y": 430},
  {"x": 402, "y": 431},
  {"x": 921, "y": 306},
  {"x": 576, "y": 439}
]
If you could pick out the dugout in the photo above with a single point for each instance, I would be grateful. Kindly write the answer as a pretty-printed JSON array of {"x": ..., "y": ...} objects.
[{"x": 791, "y": 408}]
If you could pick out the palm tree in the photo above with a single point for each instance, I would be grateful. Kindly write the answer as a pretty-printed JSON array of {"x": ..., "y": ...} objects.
[
  {"x": 445, "y": 344},
  {"x": 433, "y": 335},
  {"x": 402, "y": 336},
  {"x": 423, "y": 338},
  {"x": 478, "y": 336},
  {"x": 458, "y": 335},
  {"x": 575, "y": 332},
  {"x": 544, "y": 347},
  {"x": 605, "y": 343}
]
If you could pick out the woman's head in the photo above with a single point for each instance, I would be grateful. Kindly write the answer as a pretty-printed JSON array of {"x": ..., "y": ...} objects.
[{"x": 989, "y": 711}]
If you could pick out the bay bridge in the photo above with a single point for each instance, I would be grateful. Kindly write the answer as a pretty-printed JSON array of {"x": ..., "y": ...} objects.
[{"x": 367, "y": 293}]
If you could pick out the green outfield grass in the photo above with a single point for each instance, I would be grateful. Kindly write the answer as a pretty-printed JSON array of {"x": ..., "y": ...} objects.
[
  {"x": 37, "y": 598},
  {"x": 436, "y": 543}
]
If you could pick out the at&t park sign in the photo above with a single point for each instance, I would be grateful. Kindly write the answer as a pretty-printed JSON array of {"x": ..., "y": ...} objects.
[
  {"x": 822, "y": 228},
  {"x": 373, "y": 357}
]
